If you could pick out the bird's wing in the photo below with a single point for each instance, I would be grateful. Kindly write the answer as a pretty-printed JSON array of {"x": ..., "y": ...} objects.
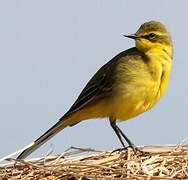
[{"x": 97, "y": 88}]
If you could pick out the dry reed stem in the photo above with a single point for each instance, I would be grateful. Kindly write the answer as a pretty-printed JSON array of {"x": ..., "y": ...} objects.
[{"x": 164, "y": 162}]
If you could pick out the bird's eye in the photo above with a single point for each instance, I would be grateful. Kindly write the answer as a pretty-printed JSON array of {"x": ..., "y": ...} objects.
[{"x": 151, "y": 35}]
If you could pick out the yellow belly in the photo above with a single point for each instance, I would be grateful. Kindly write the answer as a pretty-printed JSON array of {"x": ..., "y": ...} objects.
[
  {"x": 129, "y": 105},
  {"x": 123, "y": 105}
]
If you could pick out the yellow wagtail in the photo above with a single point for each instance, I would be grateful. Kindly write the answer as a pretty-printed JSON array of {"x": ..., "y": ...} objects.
[{"x": 128, "y": 85}]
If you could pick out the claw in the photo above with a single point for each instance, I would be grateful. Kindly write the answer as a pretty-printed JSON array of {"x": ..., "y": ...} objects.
[{"x": 134, "y": 148}]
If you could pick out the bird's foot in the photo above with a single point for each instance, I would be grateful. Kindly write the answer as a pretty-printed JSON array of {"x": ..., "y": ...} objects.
[{"x": 137, "y": 151}]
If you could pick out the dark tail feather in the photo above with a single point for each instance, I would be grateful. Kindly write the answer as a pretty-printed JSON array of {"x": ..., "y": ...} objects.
[{"x": 61, "y": 124}]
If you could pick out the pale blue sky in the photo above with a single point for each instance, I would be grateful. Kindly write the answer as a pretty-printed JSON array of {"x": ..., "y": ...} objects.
[{"x": 50, "y": 49}]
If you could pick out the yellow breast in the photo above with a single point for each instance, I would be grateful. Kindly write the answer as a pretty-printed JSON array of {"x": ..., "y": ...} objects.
[{"x": 148, "y": 84}]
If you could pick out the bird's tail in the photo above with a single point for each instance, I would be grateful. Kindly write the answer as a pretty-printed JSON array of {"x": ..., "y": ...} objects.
[{"x": 61, "y": 124}]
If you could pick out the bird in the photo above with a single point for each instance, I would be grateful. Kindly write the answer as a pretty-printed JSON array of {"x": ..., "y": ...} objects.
[{"x": 129, "y": 84}]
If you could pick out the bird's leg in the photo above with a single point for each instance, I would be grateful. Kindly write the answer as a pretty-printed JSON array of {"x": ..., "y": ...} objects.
[
  {"x": 114, "y": 126},
  {"x": 134, "y": 148},
  {"x": 120, "y": 133}
]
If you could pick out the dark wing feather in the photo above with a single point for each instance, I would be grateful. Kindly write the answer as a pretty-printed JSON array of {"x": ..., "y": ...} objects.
[{"x": 97, "y": 88}]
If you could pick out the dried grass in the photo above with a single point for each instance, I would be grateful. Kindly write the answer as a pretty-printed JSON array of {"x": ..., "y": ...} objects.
[{"x": 164, "y": 162}]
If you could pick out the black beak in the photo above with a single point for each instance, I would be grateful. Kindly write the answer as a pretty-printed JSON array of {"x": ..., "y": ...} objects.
[{"x": 132, "y": 36}]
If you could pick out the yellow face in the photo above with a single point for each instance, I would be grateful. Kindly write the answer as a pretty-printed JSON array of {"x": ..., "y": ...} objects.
[
  {"x": 152, "y": 35},
  {"x": 150, "y": 40}
]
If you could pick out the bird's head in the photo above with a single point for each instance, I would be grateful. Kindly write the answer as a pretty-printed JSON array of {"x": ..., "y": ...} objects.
[{"x": 152, "y": 35}]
